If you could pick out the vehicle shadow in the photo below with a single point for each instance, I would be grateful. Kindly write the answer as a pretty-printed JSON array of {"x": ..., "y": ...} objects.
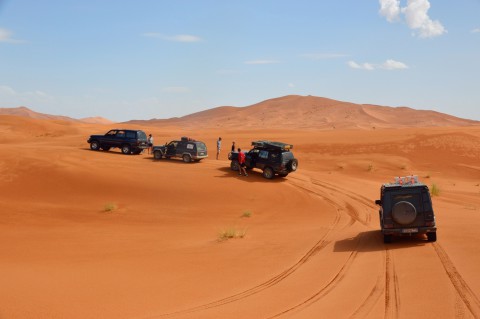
[
  {"x": 170, "y": 161},
  {"x": 372, "y": 240},
  {"x": 254, "y": 176},
  {"x": 112, "y": 152}
]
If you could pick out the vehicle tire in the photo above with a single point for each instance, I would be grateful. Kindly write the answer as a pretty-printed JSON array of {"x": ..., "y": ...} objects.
[
  {"x": 387, "y": 239},
  {"x": 268, "y": 173},
  {"x": 105, "y": 148},
  {"x": 157, "y": 155},
  {"x": 126, "y": 149},
  {"x": 94, "y": 145},
  {"x": 186, "y": 158},
  {"x": 432, "y": 236},
  {"x": 404, "y": 213},
  {"x": 292, "y": 165},
  {"x": 234, "y": 166},
  {"x": 283, "y": 174}
]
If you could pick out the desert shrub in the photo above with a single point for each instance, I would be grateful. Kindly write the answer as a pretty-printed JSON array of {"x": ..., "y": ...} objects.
[
  {"x": 247, "y": 213},
  {"x": 231, "y": 233},
  {"x": 109, "y": 207},
  {"x": 435, "y": 190},
  {"x": 370, "y": 167}
]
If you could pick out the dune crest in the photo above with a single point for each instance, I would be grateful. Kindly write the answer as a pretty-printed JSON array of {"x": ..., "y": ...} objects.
[{"x": 311, "y": 112}]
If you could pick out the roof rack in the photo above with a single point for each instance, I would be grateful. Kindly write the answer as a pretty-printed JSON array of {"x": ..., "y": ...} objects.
[
  {"x": 272, "y": 145},
  {"x": 411, "y": 180}
]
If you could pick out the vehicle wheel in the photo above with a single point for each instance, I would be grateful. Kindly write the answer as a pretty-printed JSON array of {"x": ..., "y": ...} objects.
[
  {"x": 157, "y": 155},
  {"x": 268, "y": 173},
  {"x": 126, "y": 149},
  {"x": 387, "y": 239},
  {"x": 404, "y": 213},
  {"x": 283, "y": 175},
  {"x": 292, "y": 165},
  {"x": 234, "y": 166},
  {"x": 432, "y": 236},
  {"x": 106, "y": 148},
  {"x": 187, "y": 158},
  {"x": 94, "y": 145}
]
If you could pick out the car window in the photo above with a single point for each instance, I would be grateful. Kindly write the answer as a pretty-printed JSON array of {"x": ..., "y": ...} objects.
[
  {"x": 131, "y": 135},
  {"x": 201, "y": 147},
  {"x": 111, "y": 133},
  {"x": 120, "y": 134},
  {"x": 141, "y": 135},
  {"x": 190, "y": 146},
  {"x": 263, "y": 154}
]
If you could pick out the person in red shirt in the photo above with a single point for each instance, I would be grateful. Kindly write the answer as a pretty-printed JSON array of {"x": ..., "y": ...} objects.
[{"x": 241, "y": 161}]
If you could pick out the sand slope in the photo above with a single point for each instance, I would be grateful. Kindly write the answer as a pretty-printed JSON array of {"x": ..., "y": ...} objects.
[
  {"x": 307, "y": 112},
  {"x": 311, "y": 246}
]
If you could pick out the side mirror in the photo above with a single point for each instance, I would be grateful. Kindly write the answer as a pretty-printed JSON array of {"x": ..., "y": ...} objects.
[{"x": 378, "y": 202}]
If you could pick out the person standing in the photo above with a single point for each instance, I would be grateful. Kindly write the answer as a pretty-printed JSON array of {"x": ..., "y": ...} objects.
[
  {"x": 219, "y": 146},
  {"x": 241, "y": 162},
  {"x": 150, "y": 143},
  {"x": 233, "y": 146}
]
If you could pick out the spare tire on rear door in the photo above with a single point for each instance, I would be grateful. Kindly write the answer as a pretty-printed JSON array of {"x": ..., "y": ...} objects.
[
  {"x": 404, "y": 213},
  {"x": 292, "y": 165}
]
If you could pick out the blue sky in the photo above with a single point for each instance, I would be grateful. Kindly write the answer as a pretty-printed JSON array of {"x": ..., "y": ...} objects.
[{"x": 158, "y": 59}]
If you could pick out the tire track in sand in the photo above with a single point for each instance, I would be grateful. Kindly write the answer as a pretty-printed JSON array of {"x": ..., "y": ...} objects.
[
  {"x": 326, "y": 289},
  {"x": 466, "y": 294},
  {"x": 320, "y": 244},
  {"x": 392, "y": 296}
]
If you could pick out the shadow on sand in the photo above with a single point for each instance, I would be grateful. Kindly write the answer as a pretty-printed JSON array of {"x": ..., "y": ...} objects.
[{"x": 372, "y": 240}]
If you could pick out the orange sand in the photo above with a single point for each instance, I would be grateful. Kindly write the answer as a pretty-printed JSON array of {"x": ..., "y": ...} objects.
[{"x": 312, "y": 246}]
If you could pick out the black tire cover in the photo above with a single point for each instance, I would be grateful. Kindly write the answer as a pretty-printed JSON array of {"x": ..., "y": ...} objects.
[{"x": 404, "y": 213}]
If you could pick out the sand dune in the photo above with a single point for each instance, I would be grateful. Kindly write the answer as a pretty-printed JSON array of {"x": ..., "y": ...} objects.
[
  {"x": 87, "y": 234},
  {"x": 23, "y": 111},
  {"x": 311, "y": 112}
]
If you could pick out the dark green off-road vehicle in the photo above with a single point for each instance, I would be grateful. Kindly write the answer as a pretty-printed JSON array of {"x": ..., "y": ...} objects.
[
  {"x": 271, "y": 157},
  {"x": 406, "y": 209},
  {"x": 186, "y": 148}
]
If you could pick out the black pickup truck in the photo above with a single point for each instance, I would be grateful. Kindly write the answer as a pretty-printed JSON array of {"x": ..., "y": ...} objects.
[
  {"x": 129, "y": 141},
  {"x": 271, "y": 157}
]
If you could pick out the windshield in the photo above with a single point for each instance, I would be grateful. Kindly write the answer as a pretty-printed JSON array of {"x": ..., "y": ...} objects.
[
  {"x": 141, "y": 135},
  {"x": 201, "y": 147}
]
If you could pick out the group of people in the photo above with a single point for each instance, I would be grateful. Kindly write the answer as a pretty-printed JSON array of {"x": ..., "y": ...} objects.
[{"x": 241, "y": 156}]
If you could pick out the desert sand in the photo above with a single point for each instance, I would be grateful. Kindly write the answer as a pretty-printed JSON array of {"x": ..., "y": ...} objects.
[{"x": 91, "y": 234}]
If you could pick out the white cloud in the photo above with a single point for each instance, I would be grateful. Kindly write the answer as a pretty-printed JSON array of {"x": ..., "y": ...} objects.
[
  {"x": 387, "y": 65},
  {"x": 11, "y": 97},
  {"x": 6, "y": 36},
  {"x": 6, "y": 91},
  {"x": 176, "y": 89},
  {"x": 261, "y": 62},
  {"x": 418, "y": 19},
  {"x": 416, "y": 16},
  {"x": 174, "y": 38},
  {"x": 322, "y": 56},
  {"x": 390, "y": 9},
  {"x": 363, "y": 66},
  {"x": 291, "y": 85},
  {"x": 477, "y": 30},
  {"x": 393, "y": 65}
]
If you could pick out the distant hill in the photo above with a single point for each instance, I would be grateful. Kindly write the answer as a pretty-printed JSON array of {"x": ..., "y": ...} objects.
[
  {"x": 26, "y": 112},
  {"x": 311, "y": 112}
]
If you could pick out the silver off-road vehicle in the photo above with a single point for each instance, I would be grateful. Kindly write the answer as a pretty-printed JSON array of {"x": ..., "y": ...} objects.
[{"x": 406, "y": 209}]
